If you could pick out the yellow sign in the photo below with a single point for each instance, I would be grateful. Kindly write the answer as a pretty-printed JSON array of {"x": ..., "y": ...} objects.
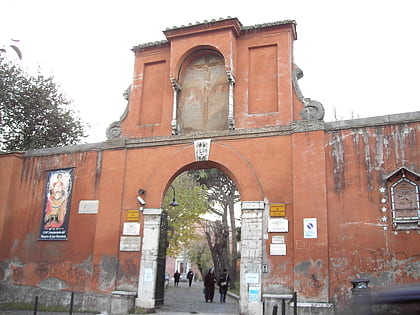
[
  {"x": 277, "y": 210},
  {"x": 133, "y": 215}
]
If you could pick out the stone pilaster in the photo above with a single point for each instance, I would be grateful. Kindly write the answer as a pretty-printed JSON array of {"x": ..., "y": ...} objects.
[
  {"x": 251, "y": 257},
  {"x": 148, "y": 266}
]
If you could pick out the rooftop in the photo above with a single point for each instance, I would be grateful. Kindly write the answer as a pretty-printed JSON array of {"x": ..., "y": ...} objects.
[{"x": 212, "y": 24}]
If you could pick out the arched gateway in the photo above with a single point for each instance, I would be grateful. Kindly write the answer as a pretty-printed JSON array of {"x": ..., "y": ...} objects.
[
  {"x": 318, "y": 208},
  {"x": 240, "y": 171}
]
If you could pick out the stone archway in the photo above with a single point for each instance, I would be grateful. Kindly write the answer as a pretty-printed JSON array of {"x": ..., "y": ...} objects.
[{"x": 242, "y": 173}]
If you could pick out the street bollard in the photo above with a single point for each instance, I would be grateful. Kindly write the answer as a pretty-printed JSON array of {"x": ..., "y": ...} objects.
[
  {"x": 275, "y": 307},
  {"x": 36, "y": 305},
  {"x": 71, "y": 303},
  {"x": 361, "y": 297}
]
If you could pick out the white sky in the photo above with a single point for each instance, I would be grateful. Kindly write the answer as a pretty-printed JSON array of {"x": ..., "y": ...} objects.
[{"x": 359, "y": 56}]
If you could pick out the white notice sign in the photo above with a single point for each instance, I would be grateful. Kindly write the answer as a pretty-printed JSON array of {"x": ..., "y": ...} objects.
[
  {"x": 130, "y": 243},
  {"x": 310, "y": 228},
  {"x": 251, "y": 277},
  {"x": 277, "y": 249},
  {"x": 148, "y": 275},
  {"x": 88, "y": 206},
  {"x": 277, "y": 239},
  {"x": 278, "y": 225},
  {"x": 131, "y": 228}
]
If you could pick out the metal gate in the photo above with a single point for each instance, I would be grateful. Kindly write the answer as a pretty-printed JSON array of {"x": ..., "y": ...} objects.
[{"x": 161, "y": 260}]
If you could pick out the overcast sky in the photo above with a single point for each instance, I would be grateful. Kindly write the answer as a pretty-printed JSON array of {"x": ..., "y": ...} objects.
[{"x": 359, "y": 58}]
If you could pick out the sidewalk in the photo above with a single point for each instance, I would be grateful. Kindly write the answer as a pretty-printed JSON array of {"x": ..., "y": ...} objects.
[
  {"x": 181, "y": 300},
  {"x": 184, "y": 300}
]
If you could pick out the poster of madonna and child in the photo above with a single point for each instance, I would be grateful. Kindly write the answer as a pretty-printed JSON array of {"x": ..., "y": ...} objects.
[{"x": 56, "y": 208}]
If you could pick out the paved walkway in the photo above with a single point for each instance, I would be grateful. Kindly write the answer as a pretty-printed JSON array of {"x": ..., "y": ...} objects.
[
  {"x": 186, "y": 300},
  {"x": 181, "y": 300}
]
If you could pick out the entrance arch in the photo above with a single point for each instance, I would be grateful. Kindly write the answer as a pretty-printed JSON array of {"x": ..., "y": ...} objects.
[
  {"x": 241, "y": 171},
  {"x": 231, "y": 162}
]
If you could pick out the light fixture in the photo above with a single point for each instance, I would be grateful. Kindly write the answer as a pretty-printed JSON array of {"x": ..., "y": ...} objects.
[
  {"x": 140, "y": 199},
  {"x": 173, "y": 203}
]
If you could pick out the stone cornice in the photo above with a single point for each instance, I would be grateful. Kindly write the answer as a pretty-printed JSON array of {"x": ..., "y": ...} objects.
[
  {"x": 294, "y": 127},
  {"x": 205, "y": 26},
  {"x": 395, "y": 119}
]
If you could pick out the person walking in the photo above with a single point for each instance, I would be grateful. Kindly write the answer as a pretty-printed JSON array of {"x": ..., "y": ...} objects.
[
  {"x": 177, "y": 275},
  {"x": 190, "y": 276},
  {"x": 209, "y": 281},
  {"x": 223, "y": 284}
]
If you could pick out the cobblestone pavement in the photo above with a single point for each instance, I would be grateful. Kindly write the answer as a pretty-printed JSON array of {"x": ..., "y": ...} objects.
[{"x": 186, "y": 300}]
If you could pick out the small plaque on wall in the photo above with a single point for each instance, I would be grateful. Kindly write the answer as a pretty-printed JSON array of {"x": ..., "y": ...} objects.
[
  {"x": 277, "y": 239},
  {"x": 133, "y": 215},
  {"x": 130, "y": 243},
  {"x": 251, "y": 277},
  {"x": 278, "y": 225},
  {"x": 88, "y": 206},
  {"x": 277, "y": 249},
  {"x": 278, "y": 210},
  {"x": 131, "y": 228}
]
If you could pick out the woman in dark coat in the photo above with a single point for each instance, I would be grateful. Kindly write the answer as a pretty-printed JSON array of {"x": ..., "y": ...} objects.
[
  {"x": 209, "y": 281},
  {"x": 223, "y": 284}
]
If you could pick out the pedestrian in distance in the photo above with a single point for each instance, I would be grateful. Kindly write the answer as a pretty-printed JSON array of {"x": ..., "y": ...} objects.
[
  {"x": 177, "y": 275},
  {"x": 166, "y": 280},
  {"x": 190, "y": 277},
  {"x": 223, "y": 284},
  {"x": 209, "y": 282}
]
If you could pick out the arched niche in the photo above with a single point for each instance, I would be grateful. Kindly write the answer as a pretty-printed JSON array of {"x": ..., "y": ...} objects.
[{"x": 203, "y": 100}]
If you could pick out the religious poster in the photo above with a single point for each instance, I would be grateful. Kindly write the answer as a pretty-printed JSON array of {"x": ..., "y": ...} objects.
[{"x": 56, "y": 208}]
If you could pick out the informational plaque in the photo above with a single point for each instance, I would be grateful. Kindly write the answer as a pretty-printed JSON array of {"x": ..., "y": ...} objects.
[
  {"x": 277, "y": 239},
  {"x": 131, "y": 228},
  {"x": 277, "y": 249},
  {"x": 148, "y": 275},
  {"x": 278, "y": 225},
  {"x": 88, "y": 206},
  {"x": 130, "y": 243},
  {"x": 251, "y": 277},
  {"x": 277, "y": 210},
  {"x": 133, "y": 215},
  {"x": 253, "y": 294}
]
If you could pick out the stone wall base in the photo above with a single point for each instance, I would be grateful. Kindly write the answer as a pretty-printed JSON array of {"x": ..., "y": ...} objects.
[
  {"x": 117, "y": 303},
  {"x": 302, "y": 308}
]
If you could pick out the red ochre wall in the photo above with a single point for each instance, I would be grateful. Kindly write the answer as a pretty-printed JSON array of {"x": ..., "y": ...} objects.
[
  {"x": 362, "y": 242},
  {"x": 90, "y": 259},
  {"x": 333, "y": 176}
]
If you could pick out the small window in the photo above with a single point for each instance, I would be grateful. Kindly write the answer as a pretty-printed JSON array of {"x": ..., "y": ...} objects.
[{"x": 404, "y": 189}]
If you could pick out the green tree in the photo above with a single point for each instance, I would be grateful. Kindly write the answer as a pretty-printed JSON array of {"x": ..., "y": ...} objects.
[
  {"x": 222, "y": 195},
  {"x": 199, "y": 254},
  {"x": 184, "y": 219},
  {"x": 34, "y": 113}
]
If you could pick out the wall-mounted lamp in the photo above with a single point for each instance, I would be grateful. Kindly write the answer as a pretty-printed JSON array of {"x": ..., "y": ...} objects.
[
  {"x": 173, "y": 203},
  {"x": 140, "y": 199}
]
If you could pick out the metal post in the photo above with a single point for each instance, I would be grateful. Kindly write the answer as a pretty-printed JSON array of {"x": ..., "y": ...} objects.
[
  {"x": 295, "y": 303},
  {"x": 36, "y": 305},
  {"x": 71, "y": 303},
  {"x": 361, "y": 297},
  {"x": 283, "y": 307},
  {"x": 275, "y": 309}
]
